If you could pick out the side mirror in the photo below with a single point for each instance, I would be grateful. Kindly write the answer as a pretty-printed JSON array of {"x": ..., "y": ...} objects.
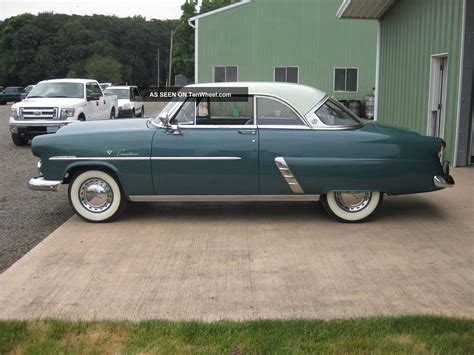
[{"x": 93, "y": 98}]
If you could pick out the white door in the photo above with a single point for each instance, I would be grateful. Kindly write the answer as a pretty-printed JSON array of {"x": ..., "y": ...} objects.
[{"x": 438, "y": 83}]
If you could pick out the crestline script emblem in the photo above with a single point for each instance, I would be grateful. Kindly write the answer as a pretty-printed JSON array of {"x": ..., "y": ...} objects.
[{"x": 125, "y": 153}]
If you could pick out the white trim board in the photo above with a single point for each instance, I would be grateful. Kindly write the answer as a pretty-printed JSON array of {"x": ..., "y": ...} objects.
[{"x": 225, "y": 8}]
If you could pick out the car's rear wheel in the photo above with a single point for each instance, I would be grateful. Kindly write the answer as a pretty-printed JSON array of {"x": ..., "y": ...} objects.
[
  {"x": 18, "y": 140},
  {"x": 351, "y": 206},
  {"x": 96, "y": 196}
]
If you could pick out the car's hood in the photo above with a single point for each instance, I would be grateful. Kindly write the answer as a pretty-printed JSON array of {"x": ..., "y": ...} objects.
[
  {"x": 108, "y": 126},
  {"x": 122, "y": 102},
  {"x": 386, "y": 128},
  {"x": 48, "y": 102}
]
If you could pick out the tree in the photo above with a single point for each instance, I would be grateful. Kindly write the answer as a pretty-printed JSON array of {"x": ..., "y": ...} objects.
[
  {"x": 209, "y": 5},
  {"x": 45, "y": 46},
  {"x": 104, "y": 69},
  {"x": 183, "y": 51}
]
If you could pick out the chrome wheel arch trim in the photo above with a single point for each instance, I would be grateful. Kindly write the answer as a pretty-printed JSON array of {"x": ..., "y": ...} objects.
[{"x": 290, "y": 179}]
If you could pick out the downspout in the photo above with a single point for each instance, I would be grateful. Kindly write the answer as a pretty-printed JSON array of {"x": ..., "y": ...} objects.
[
  {"x": 196, "y": 47},
  {"x": 377, "y": 71}
]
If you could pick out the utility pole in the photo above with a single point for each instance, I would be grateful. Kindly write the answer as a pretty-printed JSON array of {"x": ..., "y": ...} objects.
[
  {"x": 158, "y": 68},
  {"x": 170, "y": 66}
]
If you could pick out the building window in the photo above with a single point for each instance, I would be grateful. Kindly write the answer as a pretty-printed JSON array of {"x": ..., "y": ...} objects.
[
  {"x": 224, "y": 74},
  {"x": 346, "y": 79},
  {"x": 286, "y": 74}
]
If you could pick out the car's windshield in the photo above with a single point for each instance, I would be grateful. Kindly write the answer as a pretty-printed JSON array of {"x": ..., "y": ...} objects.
[
  {"x": 333, "y": 113},
  {"x": 69, "y": 90},
  {"x": 122, "y": 94}
]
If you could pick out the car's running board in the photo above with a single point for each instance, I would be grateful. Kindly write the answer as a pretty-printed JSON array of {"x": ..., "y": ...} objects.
[{"x": 222, "y": 198}]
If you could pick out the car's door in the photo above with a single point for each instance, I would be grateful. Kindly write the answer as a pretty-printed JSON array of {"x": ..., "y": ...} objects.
[
  {"x": 213, "y": 152},
  {"x": 94, "y": 107}
]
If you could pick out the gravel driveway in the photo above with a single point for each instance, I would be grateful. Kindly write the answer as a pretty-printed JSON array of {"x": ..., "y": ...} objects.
[{"x": 27, "y": 217}]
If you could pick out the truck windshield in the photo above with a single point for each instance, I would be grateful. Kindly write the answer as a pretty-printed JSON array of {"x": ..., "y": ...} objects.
[
  {"x": 122, "y": 94},
  {"x": 69, "y": 90}
]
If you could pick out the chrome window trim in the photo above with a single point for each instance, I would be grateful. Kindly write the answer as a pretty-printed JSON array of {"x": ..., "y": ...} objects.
[
  {"x": 223, "y": 198},
  {"x": 188, "y": 126}
]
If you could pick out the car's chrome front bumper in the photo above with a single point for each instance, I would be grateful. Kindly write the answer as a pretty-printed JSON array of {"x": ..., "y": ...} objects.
[
  {"x": 40, "y": 184},
  {"x": 443, "y": 181}
]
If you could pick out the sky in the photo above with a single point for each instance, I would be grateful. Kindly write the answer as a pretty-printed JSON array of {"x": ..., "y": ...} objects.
[{"x": 151, "y": 9}]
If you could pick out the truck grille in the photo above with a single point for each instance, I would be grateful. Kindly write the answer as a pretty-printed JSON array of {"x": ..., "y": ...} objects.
[{"x": 39, "y": 113}]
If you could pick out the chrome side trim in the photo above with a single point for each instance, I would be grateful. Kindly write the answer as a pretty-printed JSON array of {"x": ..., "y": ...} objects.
[
  {"x": 68, "y": 158},
  {"x": 443, "y": 181},
  {"x": 40, "y": 184},
  {"x": 288, "y": 175},
  {"x": 196, "y": 158},
  {"x": 223, "y": 198},
  {"x": 96, "y": 158}
]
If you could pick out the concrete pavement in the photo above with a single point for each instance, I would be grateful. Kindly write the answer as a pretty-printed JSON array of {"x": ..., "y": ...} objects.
[{"x": 244, "y": 261}]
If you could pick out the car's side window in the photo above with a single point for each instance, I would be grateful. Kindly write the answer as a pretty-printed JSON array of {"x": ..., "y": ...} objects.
[
  {"x": 93, "y": 90},
  {"x": 237, "y": 111},
  {"x": 271, "y": 112}
]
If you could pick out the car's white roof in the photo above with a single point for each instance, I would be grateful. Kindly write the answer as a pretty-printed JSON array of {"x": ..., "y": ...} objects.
[
  {"x": 121, "y": 87},
  {"x": 81, "y": 81},
  {"x": 302, "y": 97}
]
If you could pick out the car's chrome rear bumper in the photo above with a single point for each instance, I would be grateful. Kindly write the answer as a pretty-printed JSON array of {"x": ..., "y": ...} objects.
[
  {"x": 443, "y": 181},
  {"x": 40, "y": 184}
]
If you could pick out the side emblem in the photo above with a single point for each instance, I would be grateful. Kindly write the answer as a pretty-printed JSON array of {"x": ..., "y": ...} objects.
[{"x": 109, "y": 151}]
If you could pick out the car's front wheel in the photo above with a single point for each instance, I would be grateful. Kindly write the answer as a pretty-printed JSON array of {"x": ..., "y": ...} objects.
[
  {"x": 96, "y": 196},
  {"x": 351, "y": 206},
  {"x": 18, "y": 140}
]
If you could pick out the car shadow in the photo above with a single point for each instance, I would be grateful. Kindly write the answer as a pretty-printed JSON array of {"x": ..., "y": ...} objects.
[{"x": 393, "y": 208}]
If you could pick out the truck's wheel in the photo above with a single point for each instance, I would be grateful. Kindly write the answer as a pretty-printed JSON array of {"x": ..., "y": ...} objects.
[
  {"x": 18, "y": 140},
  {"x": 81, "y": 118},
  {"x": 96, "y": 196},
  {"x": 112, "y": 114},
  {"x": 351, "y": 206}
]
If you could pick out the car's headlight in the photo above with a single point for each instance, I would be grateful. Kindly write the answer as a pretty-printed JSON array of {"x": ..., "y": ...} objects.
[
  {"x": 67, "y": 112},
  {"x": 14, "y": 113}
]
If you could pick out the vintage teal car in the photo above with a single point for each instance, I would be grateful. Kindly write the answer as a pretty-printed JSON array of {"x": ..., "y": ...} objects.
[{"x": 278, "y": 142}]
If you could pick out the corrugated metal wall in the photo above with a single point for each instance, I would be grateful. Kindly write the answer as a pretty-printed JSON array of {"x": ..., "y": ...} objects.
[
  {"x": 411, "y": 33},
  {"x": 305, "y": 33}
]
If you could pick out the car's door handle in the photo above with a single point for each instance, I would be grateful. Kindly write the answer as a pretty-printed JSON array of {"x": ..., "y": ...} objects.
[{"x": 248, "y": 131}]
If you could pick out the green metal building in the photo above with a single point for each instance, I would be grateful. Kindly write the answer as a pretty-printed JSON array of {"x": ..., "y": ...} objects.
[
  {"x": 287, "y": 40},
  {"x": 425, "y": 60}
]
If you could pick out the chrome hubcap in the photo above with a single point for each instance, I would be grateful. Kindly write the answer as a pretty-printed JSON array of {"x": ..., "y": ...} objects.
[
  {"x": 96, "y": 195},
  {"x": 353, "y": 201}
]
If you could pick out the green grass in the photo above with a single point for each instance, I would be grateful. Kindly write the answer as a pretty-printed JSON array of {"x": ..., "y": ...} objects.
[{"x": 417, "y": 334}]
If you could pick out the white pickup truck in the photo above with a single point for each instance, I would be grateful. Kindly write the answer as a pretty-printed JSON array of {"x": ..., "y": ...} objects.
[{"x": 55, "y": 103}]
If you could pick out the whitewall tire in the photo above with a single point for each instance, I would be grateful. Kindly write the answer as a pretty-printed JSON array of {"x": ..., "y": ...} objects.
[
  {"x": 96, "y": 196},
  {"x": 351, "y": 206}
]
